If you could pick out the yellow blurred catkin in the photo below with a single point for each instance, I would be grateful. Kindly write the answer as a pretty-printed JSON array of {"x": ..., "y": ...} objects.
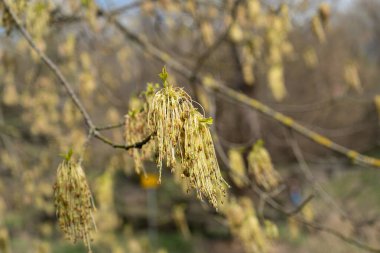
[
  {"x": 237, "y": 166},
  {"x": 73, "y": 202},
  {"x": 236, "y": 33},
  {"x": 310, "y": 58},
  {"x": 351, "y": 76},
  {"x": 245, "y": 226},
  {"x": 278, "y": 27},
  {"x": 276, "y": 82},
  {"x": 324, "y": 12},
  {"x": 10, "y": 94},
  {"x": 207, "y": 33},
  {"x": 308, "y": 213},
  {"x": 261, "y": 167},
  {"x": 293, "y": 227},
  {"x": 318, "y": 29},
  {"x": 248, "y": 63}
]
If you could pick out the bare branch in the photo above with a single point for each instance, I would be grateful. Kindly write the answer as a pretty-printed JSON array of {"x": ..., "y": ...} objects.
[{"x": 108, "y": 127}]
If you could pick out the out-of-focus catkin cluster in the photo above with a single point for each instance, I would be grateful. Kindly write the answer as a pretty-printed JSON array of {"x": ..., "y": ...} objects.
[
  {"x": 183, "y": 139},
  {"x": 320, "y": 21},
  {"x": 238, "y": 168},
  {"x": 73, "y": 202},
  {"x": 261, "y": 167},
  {"x": 245, "y": 225}
]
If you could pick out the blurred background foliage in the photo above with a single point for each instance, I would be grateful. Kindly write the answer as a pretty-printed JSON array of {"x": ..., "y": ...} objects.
[{"x": 315, "y": 61}]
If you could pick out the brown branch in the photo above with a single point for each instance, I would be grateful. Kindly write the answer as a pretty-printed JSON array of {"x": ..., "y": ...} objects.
[
  {"x": 69, "y": 88},
  {"x": 139, "y": 144}
]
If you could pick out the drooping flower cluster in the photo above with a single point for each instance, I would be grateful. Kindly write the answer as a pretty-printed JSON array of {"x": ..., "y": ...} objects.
[
  {"x": 261, "y": 167},
  {"x": 166, "y": 118},
  {"x": 245, "y": 225},
  {"x": 73, "y": 202},
  {"x": 184, "y": 140}
]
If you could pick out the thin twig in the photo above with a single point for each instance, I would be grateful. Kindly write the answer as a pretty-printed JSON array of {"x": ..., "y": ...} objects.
[
  {"x": 109, "y": 127},
  {"x": 139, "y": 144}
]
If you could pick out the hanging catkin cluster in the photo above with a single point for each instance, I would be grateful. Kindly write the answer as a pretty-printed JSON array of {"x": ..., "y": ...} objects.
[
  {"x": 245, "y": 226},
  {"x": 73, "y": 202},
  {"x": 183, "y": 139},
  {"x": 261, "y": 167}
]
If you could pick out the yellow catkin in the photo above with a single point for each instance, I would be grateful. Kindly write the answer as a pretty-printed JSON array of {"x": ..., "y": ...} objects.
[
  {"x": 237, "y": 166},
  {"x": 73, "y": 202},
  {"x": 308, "y": 213},
  {"x": 207, "y": 32},
  {"x": 293, "y": 227},
  {"x": 261, "y": 167},
  {"x": 310, "y": 58},
  {"x": 236, "y": 33},
  {"x": 245, "y": 226},
  {"x": 317, "y": 29},
  {"x": 324, "y": 12},
  {"x": 351, "y": 76},
  {"x": 254, "y": 8},
  {"x": 276, "y": 83},
  {"x": 248, "y": 63},
  {"x": 184, "y": 140}
]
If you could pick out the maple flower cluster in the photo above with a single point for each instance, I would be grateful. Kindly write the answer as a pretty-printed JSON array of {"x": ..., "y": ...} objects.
[
  {"x": 184, "y": 140},
  {"x": 73, "y": 202}
]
